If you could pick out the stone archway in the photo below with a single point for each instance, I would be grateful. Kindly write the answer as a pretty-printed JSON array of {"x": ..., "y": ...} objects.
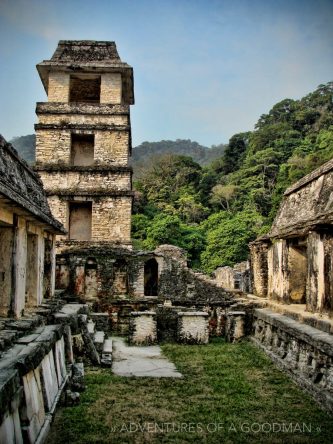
[{"x": 151, "y": 277}]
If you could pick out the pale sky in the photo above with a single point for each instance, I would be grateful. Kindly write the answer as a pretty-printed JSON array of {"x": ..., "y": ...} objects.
[{"x": 203, "y": 69}]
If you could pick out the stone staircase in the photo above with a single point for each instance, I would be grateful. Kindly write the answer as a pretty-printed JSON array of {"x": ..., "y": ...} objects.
[{"x": 100, "y": 339}]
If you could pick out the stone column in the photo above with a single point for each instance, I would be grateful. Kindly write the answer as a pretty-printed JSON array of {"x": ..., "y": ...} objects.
[{"x": 19, "y": 266}]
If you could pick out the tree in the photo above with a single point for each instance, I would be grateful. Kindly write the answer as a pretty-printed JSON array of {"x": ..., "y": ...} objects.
[{"x": 222, "y": 194}]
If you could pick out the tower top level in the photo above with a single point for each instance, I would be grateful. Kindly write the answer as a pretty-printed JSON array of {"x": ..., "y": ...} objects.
[{"x": 84, "y": 57}]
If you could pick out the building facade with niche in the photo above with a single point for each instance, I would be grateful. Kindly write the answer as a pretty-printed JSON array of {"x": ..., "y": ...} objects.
[{"x": 293, "y": 264}]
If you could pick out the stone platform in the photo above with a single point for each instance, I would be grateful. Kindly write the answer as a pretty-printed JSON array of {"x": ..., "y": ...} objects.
[{"x": 141, "y": 361}]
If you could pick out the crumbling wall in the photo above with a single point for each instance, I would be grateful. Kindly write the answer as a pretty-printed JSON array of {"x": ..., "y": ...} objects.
[
  {"x": 234, "y": 278},
  {"x": 32, "y": 376}
]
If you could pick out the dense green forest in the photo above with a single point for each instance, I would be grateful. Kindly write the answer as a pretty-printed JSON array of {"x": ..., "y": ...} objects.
[
  {"x": 214, "y": 211},
  {"x": 214, "y": 201}
]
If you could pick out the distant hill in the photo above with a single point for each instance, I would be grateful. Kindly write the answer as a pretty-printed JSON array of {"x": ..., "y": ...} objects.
[
  {"x": 25, "y": 146},
  {"x": 143, "y": 154},
  {"x": 148, "y": 152}
]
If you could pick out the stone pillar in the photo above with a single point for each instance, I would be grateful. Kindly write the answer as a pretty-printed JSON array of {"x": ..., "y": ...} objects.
[
  {"x": 139, "y": 281},
  {"x": 6, "y": 258},
  {"x": 53, "y": 265},
  {"x": 193, "y": 327},
  {"x": 316, "y": 276},
  {"x": 143, "y": 328},
  {"x": 79, "y": 280},
  {"x": 235, "y": 325},
  {"x": 259, "y": 268},
  {"x": 40, "y": 275},
  {"x": 19, "y": 266},
  {"x": 32, "y": 270}
]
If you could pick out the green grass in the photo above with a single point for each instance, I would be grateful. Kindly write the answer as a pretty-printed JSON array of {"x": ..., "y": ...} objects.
[{"x": 227, "y": 390}]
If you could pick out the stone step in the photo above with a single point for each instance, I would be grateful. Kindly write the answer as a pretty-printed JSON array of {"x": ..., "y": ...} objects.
[
  {"x": 99, "y": 340},
  {"x": 298, "y": 312},
  {"x": 106, "y": 357}
]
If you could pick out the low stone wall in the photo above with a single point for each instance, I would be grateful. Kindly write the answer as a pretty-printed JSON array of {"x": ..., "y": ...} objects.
[
  {"x": 193, "y": 327},
  {"x": 32, "y": 375},
  {"x": 142, "y": 328},
  {"x": 304, "y": 352}
]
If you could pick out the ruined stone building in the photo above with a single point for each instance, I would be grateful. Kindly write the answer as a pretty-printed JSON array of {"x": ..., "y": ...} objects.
[
  {"x": 27, "y": 236},
  {"x": 292, "y": 268},
  {"x": 75, "y": 237},
  {"x": 83, "y": 141},
  {"x": 293, "y": 264}
]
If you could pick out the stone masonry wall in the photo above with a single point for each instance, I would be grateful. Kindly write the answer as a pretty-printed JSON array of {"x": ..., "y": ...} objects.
[
  {"x": 111, "y": 217},
  {"x": 53, "y": 146},
  {"x": 59, "y": 210},
  {"x": 111, "y": 147},
  {"x": 111, "y": 88},
  {"x": 74, "y": 181},
  {"x": 58, "y": 89},
  {"x": 302, "y": 351},
  {"x": 88, "y": 119}
]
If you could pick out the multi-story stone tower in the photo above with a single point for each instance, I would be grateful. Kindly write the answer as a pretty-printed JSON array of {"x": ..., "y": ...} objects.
[{"x": 83, "y": 142}]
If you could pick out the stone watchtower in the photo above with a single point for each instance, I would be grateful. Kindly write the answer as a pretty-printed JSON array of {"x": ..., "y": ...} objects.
[{"x": 83, "y": 142}]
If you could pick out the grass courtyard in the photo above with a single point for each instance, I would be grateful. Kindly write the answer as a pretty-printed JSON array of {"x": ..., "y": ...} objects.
[{"x": 230, "y": 393}]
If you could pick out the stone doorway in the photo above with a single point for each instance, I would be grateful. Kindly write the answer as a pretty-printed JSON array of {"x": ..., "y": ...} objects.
[
  {"x": 151, "y": 277},
  {"x": 298, "y": 270}
]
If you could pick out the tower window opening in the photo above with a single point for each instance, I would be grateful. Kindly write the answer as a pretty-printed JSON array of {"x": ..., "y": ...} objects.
[
  {"x": 82, "y": 149},
  {"x": 85, "y": 89},
  {"x": 80, "y": 215}
]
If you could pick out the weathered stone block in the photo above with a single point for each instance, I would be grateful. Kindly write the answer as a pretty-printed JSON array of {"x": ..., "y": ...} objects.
[
  {"x": 193, "y": 327},
  {"x": 235, "y": 325},
  {"x": 143, "y": 328}
]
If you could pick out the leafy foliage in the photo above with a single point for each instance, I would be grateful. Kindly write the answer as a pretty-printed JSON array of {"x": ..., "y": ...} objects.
[{"x": 228, "y": 203}]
